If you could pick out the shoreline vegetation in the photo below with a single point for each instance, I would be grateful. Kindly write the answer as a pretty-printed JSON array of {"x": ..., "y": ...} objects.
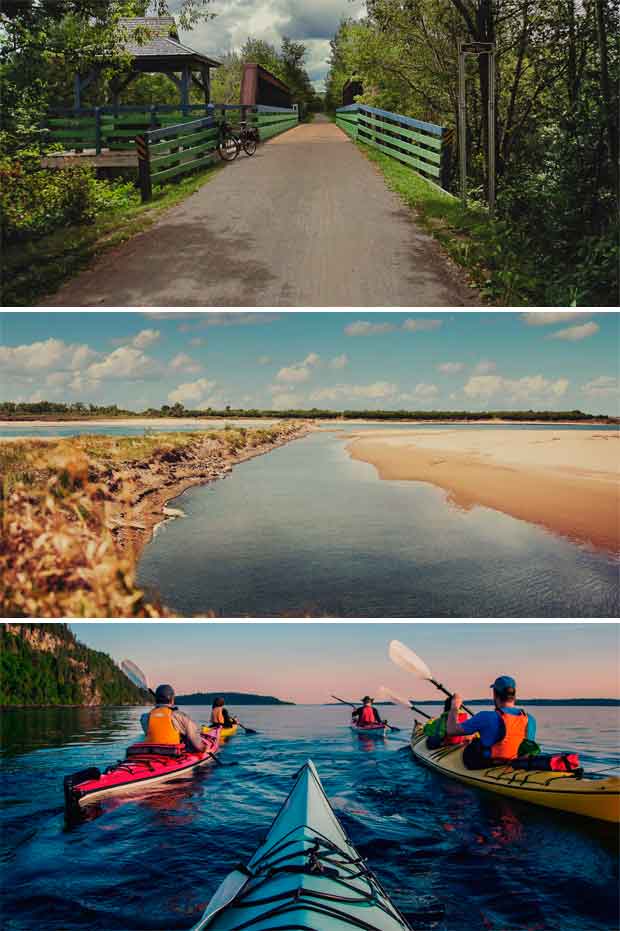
[
  {"x": 76, "y": 513},
  {"x": 46, "y": 413},
  {"x": 562, "y": 481}
]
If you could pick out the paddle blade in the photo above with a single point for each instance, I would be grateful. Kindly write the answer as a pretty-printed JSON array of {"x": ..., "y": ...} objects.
[
  {"x": 135, "y": 674},
  {"x": 384, "y": 692},
  {"x": 405, "y": 658}
]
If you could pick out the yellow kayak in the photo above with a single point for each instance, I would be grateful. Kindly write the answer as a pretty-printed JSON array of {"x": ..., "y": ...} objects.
[
  {"x": 587, "y": 796},
  {"x": 225, "y": 732}
]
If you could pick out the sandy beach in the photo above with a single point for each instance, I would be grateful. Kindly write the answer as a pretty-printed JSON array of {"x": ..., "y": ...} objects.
[{"x": 566, "y": 481}]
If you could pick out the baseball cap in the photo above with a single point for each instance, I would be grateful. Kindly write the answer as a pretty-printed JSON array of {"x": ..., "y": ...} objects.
[{"x": 502, "y": 683}]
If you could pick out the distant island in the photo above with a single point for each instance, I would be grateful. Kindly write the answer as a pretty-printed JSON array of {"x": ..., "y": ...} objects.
[
  {"x": 231, "y": 698},
  {"x": 55, "y": 410}
]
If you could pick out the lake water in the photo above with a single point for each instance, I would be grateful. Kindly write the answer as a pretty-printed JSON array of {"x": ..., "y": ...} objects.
[
  {"x": 452, "y": 858},
  {"x": 307, "y": 531}
]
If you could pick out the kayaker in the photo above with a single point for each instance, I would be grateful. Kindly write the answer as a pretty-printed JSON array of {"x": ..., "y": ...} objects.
[
  {"x": 220, "y": 716},
  {"x": 165, "y": 724},
  {"x": 436, "y": 728},
  {"x": 366, "y": 714},
  {"x": 501, "y": 732}
]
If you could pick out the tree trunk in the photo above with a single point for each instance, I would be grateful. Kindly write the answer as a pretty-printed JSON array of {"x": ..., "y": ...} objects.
[{"x": 606, "y": 93}]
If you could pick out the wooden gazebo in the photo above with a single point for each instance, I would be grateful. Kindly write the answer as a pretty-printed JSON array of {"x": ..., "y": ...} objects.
[{"x": 161, "y": 52}]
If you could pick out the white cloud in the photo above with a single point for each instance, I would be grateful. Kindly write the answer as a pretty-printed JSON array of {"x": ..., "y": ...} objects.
[
  {"x": 145, "y": 338},
  {"x": 422, "y": 325},
  {"x": 485, "y": 366},
  {"x": 57, "y": 379},
  {"x": 450, "y": 368},
  {"x": 197, "y": 341},
  {"x": 374, "y": 391},
  {"x": 294, "y": 373},
  {"x": 422, "y": 391},
  {"x": 528, "y": 388},
  {"x": 339, "y": 362},
  {"x": 604, "y": 386},
  {"x": 184, "y": 363},
  {"x": 576, "y": 333},
  {"x": 264, "y": 360},
  {"x": 549, "y": 317},
  {"x": 124, "y": 362},
  {"x": 365, "y": 328},
  {"x": 45, "y": 354},
  {"x": 284, "y": 400},
  {"x": 311, "y": 359},
  {"x": 192, "y": 392}
]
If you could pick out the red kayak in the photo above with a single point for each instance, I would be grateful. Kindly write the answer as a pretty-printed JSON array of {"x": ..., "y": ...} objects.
[
  {"x": 144, "y": 765},
  {"x": 370, "y": 730}
]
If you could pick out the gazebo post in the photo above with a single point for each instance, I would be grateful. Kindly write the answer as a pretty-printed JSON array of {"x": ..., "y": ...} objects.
[
  {"x": 185, "y": 79},
  {"x": 77, "y": 87}
]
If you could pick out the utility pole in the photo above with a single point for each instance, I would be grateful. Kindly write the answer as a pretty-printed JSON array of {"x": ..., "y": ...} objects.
[{"x": 477, "y": 49}]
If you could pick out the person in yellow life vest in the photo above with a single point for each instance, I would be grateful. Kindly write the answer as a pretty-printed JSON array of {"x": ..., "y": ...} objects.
[
  {"x": 501, "y": 732},
  {"x": 165, "y": 724},
  {"x": 220, "y": 716}
]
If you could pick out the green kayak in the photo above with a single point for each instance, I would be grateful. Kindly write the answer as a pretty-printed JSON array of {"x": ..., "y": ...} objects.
[{"x": 306, "y": 875}]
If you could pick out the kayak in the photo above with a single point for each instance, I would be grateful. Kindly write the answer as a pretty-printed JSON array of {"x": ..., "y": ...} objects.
[
  {"x": 588, "y": 796},
  {"x": 225, "y": 732},
  {"x": 145, "y": 765},
  {"x": 305, "y": 875},
  {"x": 370, "y": 730}
]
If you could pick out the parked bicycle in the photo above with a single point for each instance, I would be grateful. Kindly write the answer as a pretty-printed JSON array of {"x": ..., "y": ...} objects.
[{"x": 230, "y": 143}]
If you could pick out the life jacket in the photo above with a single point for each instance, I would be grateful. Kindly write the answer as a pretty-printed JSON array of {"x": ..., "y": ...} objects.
[
  {"x": 367, "y": 715},
  {"x": 436, "y": 728},
  {"x": 161, "y": 729},
  {"x": 217, "y": 716},
  {"x": 515, "y": 729},
  {"x": 457, "y": 739}
]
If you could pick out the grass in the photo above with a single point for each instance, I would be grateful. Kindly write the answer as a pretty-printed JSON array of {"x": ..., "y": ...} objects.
[
  {"x": 496, "y": 263},
  {"x": 58, "y": 499},
  {"x": 35, "y": 269}
]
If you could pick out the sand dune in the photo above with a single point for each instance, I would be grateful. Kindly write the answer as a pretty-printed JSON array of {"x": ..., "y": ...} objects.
[{"x": 564, "y": 480}]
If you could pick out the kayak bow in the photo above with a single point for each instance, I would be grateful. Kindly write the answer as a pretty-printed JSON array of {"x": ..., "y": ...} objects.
[
  {"x": 588, "y": 797},
  {"x": 306, "y": 874},
  {"x": 370, "y": 730},
  {"x": 142, "y": 768},
  {"x": 224, "y": 732}
]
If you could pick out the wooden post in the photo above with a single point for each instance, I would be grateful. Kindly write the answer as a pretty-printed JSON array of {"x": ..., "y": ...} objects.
[
  {"x": 447, "y": 155},
  {"x": 144, "y": 168},
  {"x": 185, "y": 81}
]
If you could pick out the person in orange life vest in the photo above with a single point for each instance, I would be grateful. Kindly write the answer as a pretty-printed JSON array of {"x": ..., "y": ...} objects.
[
  {"x": 220, "y": 716},
  {"x": 501, "y": 731},
  {"x": 165, "y": 724},
  {"x": 366, "y": 714}
]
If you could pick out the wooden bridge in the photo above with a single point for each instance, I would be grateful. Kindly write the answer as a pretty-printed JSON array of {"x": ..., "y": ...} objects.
[{"x": 308, "y": 221}]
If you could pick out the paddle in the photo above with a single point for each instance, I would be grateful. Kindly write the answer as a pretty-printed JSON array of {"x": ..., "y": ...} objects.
[
  {"x": 387, "y": 693},
  {"x": 351, "y": 705},
  {"x": 405, "y": 658},
  {"x": 135, "y": 675}
]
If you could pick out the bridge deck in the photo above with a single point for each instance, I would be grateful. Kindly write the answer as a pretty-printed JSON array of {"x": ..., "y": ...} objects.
[{"x": 307, "y": 221}]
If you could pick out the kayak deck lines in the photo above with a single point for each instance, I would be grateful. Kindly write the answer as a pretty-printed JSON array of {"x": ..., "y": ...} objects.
[{"x": 303, "y": 877}]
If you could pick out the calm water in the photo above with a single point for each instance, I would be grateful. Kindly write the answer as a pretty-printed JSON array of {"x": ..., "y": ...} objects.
[
  {"x": 76, "y": 429},
  {"x": 307, "y": 531},
  {"x": 452, "y": 858}
]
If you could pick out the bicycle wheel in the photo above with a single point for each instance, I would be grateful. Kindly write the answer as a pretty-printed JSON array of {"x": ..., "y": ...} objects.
[
  {"x": 229, "y": 147},
  {"x": 249, "y": 145}
]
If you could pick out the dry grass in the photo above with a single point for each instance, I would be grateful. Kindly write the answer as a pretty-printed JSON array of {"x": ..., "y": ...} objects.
[{"x": 58, "y": 554}]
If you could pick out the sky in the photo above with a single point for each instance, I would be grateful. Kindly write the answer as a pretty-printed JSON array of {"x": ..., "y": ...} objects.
[
  {"x": 313, "y": 23},
  {"x": 417, "y": 360},
  {"x": 308, "y": 662}
]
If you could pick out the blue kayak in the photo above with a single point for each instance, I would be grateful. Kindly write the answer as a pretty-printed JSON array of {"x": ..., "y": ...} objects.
[{"x": 306, "y": 876}]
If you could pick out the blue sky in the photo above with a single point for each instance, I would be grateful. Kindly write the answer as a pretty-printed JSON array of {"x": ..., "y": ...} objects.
[
  {"x": 307, "y": 662},
  {"x": 369, "y": 360}
]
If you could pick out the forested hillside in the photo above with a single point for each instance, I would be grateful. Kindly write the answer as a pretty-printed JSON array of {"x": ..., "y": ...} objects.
[
  {"x": 556, "y": 111},
  {"x": 44, "y": 664}
]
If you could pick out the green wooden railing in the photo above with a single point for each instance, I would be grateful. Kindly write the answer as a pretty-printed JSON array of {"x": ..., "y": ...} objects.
[
  {"x": 174, "y": 150},
  {"x": 426, "y": 147}
]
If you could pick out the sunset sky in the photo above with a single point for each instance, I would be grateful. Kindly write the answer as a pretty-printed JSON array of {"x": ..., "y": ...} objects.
[
  {"x": 461, "y": 360},
  {"x": 307, "y": 662}
]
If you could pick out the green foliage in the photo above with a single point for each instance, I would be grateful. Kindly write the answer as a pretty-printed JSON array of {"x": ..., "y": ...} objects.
[
  {"x": 35, "y": 200},
  {"x": 554, "y": 239},
  {"x": 67, "y": 674}
]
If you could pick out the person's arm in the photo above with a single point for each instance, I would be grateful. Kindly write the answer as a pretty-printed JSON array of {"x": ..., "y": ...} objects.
[
  {"x": 190, "y": 731},
  {"x": 227, "y": 718},
  {"x": 144, "y": 721},
  {"x": 356, "y": 713},
  {"x": 531, "y": 727},
  {"x": 463, "y": 729},
  {"x": 378, "y": 717}
]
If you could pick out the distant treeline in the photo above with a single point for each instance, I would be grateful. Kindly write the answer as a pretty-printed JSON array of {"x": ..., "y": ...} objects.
[
  {"x": 78, "y": 411},
  {"x": 581, "y": 702},
  {"x": 232, "y": 698}
]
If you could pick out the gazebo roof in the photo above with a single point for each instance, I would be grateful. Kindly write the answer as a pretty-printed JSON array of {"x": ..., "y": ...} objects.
[{"x": 163, "y": 46}]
